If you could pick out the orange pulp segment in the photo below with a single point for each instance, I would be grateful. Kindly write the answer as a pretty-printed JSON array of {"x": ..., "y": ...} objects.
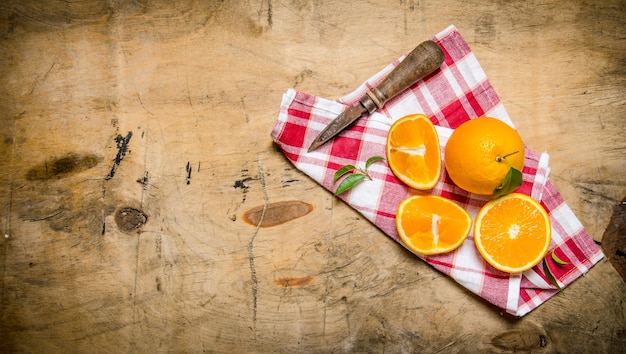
[{"x": 429, "y": 224}]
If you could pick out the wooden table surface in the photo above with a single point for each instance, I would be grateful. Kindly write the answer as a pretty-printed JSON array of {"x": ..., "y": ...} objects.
[{"x": 135, "y": 138}]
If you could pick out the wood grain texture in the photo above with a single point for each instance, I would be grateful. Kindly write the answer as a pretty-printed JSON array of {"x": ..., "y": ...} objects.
[{"x": 165, "y": 108}]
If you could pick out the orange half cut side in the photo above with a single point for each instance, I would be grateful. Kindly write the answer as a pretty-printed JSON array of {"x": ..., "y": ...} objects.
[
  {"x": 512, "y": 232},
  {"x": 431, "y": 224},
  {"x": 413, "y": 151}
]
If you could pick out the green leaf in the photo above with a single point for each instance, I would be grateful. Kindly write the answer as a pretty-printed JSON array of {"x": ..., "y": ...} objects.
[
  {"x": 557, "y": 260},
  {"x": 511, "y": 181},
  {"x": 373, "y": 159},
  {"x": 349, "y": 182},
  {"x": 342, "y": 171},
  {"x": 549, "y": 275}
]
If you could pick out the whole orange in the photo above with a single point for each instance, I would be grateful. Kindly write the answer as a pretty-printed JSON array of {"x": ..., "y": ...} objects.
[{"x": 480, "y": 152}]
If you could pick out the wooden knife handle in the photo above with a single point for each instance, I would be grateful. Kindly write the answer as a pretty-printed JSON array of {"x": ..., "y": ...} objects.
[{"x": 422, "y": 60}]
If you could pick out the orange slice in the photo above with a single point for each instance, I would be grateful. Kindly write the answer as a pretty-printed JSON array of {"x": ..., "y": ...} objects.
[
  {"x": 512, "y": 232},
  {"x": 413, "y": 151},
  {"x": 431, "y": 224}
]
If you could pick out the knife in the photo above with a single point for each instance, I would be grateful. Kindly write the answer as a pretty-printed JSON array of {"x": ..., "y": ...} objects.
[{"x": 421, "y": 61}]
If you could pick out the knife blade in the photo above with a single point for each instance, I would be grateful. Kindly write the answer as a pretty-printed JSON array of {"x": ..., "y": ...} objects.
[{"x": 421, "y": 61}]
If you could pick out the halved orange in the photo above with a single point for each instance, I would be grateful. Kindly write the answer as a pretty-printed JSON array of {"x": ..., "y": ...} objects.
[
  {"x": 413, "y": 151},
  {"x": 512, "y": 232},
  {"x": 429, "y": 224}
]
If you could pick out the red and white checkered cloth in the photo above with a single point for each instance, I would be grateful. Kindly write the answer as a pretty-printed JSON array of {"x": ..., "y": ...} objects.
[{"x": 458, "y": 91}]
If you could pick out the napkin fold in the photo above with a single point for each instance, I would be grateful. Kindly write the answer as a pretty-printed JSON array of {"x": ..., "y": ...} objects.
[{"x": 458, "y": 91}]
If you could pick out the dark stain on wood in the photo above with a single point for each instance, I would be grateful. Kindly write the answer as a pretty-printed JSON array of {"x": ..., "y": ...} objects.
[
  {"x": 613, "y": 240},
  {"x": 122, "y": 143},
  {"x": 63, "y": 166},
  {"x": 277, "y": 213},
  {"x": 293, "y": 282},
  {"x": 188, "y": 170},
  {"x": 129, "y": 219},
  {"x": 241, "y": 183},
  {"x": 144, "y": 180},
  {"x": 543, "y": 340}
]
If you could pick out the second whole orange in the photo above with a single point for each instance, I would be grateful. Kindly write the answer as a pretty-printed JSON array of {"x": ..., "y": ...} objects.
[{"x": 480, "y": 152}]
